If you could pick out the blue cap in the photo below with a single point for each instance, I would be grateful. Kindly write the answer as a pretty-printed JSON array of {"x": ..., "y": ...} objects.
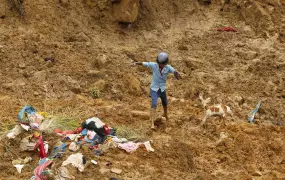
[{"x": 162, "y": 57}]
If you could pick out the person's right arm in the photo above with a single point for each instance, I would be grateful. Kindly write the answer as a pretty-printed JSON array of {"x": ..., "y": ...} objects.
[
  {"x": 147, "y": 64},
  {"x": 137, "y": 63}
]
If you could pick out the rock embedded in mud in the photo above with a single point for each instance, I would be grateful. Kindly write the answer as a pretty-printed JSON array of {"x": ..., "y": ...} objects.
[
  {"x": 8, "y": 86},
  {"x": 22, "y": 65},
  {"x": 274, "y": 2},
  {"x": 95, "y": 73},
  {"x": 82, "y": 37},
  {"x": 100, "y": 61},
  {"x": 248, "y": 55},
  {"x": 126, "y": 10},
  {"x": 252, "y": 170},
  {"x": 140, "y": 114},
  {"x": 116, "y": 170},
  {"x": 39, "y": 76},
  {"x": 239, "y": 99}
]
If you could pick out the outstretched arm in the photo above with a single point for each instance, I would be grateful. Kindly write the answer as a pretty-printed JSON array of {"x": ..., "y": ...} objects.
[
  {"x": 146, "y": 64},
  {"x": 137, "y": 63},
  {"x": 177, "y": 75}
]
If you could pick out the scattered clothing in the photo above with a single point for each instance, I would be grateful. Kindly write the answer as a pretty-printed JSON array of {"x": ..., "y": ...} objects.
[
  {"x": 148, "y": 146},
  {"x": 129, "y": 146},
  {"x": 76, "y": 160},
  {"x": 91, "y": 134},
  {"x": 94, "y": 124},
  {"x": 72, "y": 137},
  {"x": 24, "y": 112},
  {"x": 14, "y": 132},
  {"x": 41, "y": 171},
  {"x": 73, "y": 146},
  {"x": 29, "y": 117},
  {"x": 19, "y": 167},
  {"x": 27, "y": 144},
  {"x": 96, "y": 120},
  {"x": 41, "y": 146},
  {"x": 229, "y": 29},
  {"x": 64, "y": 174},
  {"x": 58, "y": 150},
  {"x": 119, "y": 140},
  {"x": 253, "y": 112},
  {"x": 26, "y": 127}
]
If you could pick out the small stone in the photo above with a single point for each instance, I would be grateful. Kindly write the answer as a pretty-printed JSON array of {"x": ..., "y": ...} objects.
[
  {"x": 36, "y": 93},
  {"x": 82, "y": 37},
  {"x": 116, "y": 170},
  {"x": 252, "y": 170},
  {"x": 239, "y": 99},
  {"x": 168, "y": 130},
  {"x": 40, "y": 76},
  {"x": 49, "y": 64},
  {"x": 239, "y": 44},
  {"x": 19, "y": 82},
  {"x": 140, "y": 114},
  {"x": 94, "y": 73},
  {"x": 256, "y": 61},
  {"x": 22, "y": 65},
  {"x": 257, "y": 173},
  {"x": 8, "y": 85}
]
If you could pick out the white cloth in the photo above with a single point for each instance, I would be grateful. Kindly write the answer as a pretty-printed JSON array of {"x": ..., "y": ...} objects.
[
  {"x": 76, "y": 160},
  {"x": 97, "y": 121},
  {"x": 19, "y": 167}
]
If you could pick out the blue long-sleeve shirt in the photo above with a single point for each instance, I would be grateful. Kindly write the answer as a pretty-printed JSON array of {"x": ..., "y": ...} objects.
[{"x": 158, "y": 78}]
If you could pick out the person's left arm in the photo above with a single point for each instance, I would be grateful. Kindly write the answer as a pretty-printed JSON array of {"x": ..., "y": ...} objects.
[{"x": 176, "y": 74}]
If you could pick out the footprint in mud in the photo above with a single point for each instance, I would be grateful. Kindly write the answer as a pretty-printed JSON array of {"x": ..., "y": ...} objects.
[{"x": 160, "y": 123}]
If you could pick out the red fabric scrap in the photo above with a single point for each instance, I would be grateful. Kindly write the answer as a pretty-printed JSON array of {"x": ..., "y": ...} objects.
[
  {"x": 40, "y": 145},
  {"x": 106, "y": 130},
  {"x": 230, "y": 28},
  {"x": 78, "y": 130},
  {"x": 60, "y": 132}
]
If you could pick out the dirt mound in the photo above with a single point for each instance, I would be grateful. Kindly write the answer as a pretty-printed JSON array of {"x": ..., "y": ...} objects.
[{"x": 74, "y": 57}]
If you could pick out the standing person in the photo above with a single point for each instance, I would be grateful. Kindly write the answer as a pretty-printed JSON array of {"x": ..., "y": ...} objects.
[{"x": 160, "y": 70}]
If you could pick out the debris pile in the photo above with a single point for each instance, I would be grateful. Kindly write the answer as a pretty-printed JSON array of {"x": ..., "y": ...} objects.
[{"x": 93, "y": 135}]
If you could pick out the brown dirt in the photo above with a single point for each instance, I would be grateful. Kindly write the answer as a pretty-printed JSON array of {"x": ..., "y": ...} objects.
[{"x": 92, "y": 50}]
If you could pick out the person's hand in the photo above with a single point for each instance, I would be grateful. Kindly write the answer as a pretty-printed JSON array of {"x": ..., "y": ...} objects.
[
  {"x": 177, "y": 75},
  {"x": 136, "y": 63},
  {"x": 133, "y": 64}
]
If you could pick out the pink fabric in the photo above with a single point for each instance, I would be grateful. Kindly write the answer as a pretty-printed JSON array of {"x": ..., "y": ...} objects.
[
  {"x": 91, "y": 134},
  {"x": 129, "y": 146},
  {"x": 38, "y": 171}
]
